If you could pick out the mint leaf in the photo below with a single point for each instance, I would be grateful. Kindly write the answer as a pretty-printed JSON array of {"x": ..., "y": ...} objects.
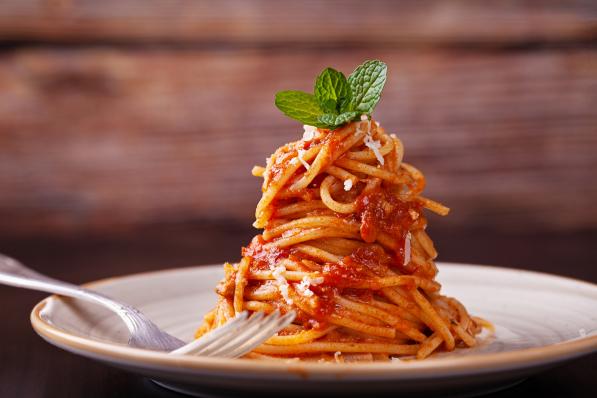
[
  {"x": 328, "y": 105},
  {"x": 300, "y": 106},
  {"x": 332, "y": 91},
  {"x": 334, "y": 121},
  {"x": 337, "y": 100},
  {"x": 366, "y": 83}
]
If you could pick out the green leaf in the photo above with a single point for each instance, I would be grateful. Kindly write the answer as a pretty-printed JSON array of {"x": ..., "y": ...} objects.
[
  {"x": 344, "y": 104},
  {"x": 334, "y": 121},
  {"x": 329, "y": 105},
  {"x": 366, "y": 83},
  {"x": 337, "y": 100},
  {"x": 332, "y": 91},
  {"x": 300, "y": 106}
]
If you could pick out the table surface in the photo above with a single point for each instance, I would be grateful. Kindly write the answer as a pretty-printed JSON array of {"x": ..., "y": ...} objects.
[{"x": 32, "y": 368}]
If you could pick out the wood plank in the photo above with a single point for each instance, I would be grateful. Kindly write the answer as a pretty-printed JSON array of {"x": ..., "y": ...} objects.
[
  {"x": 263, "y": 22},
  {"x": 98, "y": 139}
]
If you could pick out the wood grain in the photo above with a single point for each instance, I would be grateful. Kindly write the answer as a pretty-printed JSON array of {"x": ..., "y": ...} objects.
[
  {"x": 98, "y": 139},
  {"x": 329, "y": 23}
]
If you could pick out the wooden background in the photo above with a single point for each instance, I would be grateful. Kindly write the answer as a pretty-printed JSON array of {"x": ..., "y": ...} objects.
[
  {"x": 118, "y": 115},
  {"x": 128, "y": 130}
]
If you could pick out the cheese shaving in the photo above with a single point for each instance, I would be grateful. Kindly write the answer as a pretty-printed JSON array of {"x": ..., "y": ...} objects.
[
  {"x": 309, "y": 133},
  {"x": 407, "y": 249},
  {"x": 282, "y": 283},
  {"x": 347, "y": 184},
  {"x": 316, "y": 281},
  {"x": 301, "y": 153},
  {"x": 337, "y": 356},
  {"x": 303, "y": 287},
  {"x": 374, "y": 145}
]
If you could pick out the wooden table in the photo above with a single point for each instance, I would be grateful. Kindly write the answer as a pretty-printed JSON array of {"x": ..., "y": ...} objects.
[{"x": 32, "y": 368}]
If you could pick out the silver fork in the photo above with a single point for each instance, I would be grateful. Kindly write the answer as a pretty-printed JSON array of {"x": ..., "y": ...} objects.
[{"x": 236, "y": 338}]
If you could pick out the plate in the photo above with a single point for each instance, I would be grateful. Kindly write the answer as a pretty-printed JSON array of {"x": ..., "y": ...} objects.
[{"x": 540, "y": 320}]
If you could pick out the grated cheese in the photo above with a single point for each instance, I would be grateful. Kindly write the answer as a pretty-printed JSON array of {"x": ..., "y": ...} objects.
[
  {"x": 301, "y": 153},
  {"x": 309, "y": 133},
  {"x": 347, "y": 184},
  {"x": 303, "y": 287},
  {"x": 337, "y": 355},
  {"x": 282, "y": 283},
  {"x": 374, "y": 145},
  {"x": 407, "y": 249}
]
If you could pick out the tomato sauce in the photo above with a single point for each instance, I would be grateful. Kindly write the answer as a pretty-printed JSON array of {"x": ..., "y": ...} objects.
[
  {"x": 263, "y": 259},
  {"x": 378, "y": 211},
  {"x": 381, "y": 211},
  {"x": 364, "y": 263}
]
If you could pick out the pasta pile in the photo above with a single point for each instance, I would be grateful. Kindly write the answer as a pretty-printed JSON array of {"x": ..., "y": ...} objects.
[{"x": 344, "y": 246}]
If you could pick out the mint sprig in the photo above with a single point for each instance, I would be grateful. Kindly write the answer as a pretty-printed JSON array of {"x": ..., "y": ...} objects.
[{"x": 336, "y": 99}]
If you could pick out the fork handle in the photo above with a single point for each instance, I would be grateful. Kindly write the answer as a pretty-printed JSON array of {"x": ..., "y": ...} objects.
[
  {"x": 143, "y": 332},
  {"x": 13, "y": 273}
]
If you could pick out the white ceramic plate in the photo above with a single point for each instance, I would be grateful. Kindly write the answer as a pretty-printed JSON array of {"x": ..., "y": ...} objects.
[{"x": 540, "y": 320}]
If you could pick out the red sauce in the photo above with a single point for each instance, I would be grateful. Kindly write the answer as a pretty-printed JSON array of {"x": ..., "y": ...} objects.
[
  {"x": 283, "y": 156},
  {"x": 326, "y": 304},
  {"x": 362, "y": 264},
  {"x": 374, "y": 258},
  {"x": 263, "y": 259},
  {"x": 381, "y": 211},
  {"x": 378, "y": 211},
  {"x": 362, "y": 295},
  {"x": 335, "y": 144}
]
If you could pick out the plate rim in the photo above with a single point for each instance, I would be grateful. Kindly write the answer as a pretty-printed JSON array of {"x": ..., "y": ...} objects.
[{"x": 429, "y": 368}]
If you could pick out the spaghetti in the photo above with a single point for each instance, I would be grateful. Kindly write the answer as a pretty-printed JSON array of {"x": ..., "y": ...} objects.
[{"x": 344, "y": 246}]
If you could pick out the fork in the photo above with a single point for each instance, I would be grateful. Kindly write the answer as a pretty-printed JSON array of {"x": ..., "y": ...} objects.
[{"x": 236, "y": 338}]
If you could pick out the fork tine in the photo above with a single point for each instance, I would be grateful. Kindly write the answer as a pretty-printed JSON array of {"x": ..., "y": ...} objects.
[
  {"x": 222, "y": 338},
  {"x": 258, "y": 339},
  {"x": 250, "y": 324},
  {"x": 239, "y": 338},
  {"x": 231, "y": 327},
  {"x": 247, "y": 341}
]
